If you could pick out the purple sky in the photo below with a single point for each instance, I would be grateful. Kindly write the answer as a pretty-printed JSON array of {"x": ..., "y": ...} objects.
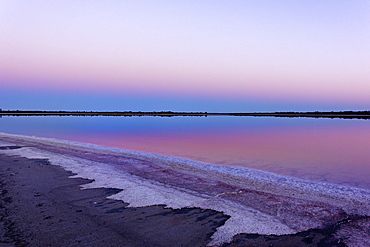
[{"x": 185, "y": 55}]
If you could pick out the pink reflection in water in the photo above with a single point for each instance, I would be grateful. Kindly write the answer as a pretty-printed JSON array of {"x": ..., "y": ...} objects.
[{"x": 338, "y": 155}]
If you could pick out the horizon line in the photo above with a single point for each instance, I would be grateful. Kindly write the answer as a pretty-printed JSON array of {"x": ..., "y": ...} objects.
[{"x": 316, "y": 114}]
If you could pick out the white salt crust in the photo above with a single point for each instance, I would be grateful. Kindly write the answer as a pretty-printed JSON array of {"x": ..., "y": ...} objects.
[{"x": 140, "y": 192}]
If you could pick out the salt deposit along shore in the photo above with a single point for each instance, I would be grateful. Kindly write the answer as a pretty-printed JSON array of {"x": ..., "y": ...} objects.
[{"x": 252, "y": 201}]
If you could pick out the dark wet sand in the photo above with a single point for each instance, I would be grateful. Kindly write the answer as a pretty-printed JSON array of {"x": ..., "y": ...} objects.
[{"x": 41, "y": 206}]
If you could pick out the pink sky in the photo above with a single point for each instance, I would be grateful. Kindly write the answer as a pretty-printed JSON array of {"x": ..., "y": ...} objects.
[{"x": 271, "y": 50}]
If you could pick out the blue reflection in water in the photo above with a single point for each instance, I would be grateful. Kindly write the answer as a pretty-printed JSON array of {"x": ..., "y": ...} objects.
[
  {"x": 333, "y": 150},
  {"x": 46, "y": 126}
]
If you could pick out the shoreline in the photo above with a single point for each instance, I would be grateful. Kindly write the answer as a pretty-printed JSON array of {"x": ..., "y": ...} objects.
[
  {"x": 43, "y": 207},
  {"x": 257, "y": 202}
]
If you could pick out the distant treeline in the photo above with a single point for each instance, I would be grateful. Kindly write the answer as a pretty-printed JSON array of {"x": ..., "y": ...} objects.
[
  {"x": 316, "y": 114},
  {"x": 331, "y": 112},
  {"x": 99, "y": 113}
]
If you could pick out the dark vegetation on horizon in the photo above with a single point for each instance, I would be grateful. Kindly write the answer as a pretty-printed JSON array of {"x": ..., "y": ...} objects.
[{"x": 316, "y": 114}]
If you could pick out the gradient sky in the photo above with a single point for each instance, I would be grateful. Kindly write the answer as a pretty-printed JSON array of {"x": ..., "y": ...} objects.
[{"x": 214, "y": 55}]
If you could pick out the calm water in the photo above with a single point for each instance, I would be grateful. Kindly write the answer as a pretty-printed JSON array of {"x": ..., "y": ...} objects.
[{"x": 331, "y": 150}]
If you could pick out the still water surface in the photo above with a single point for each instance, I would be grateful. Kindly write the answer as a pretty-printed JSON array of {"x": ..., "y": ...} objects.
[{"x": 329, "y": 150}]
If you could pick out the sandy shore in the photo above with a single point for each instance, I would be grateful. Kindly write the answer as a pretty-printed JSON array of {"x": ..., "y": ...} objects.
[
  {"x": 135, "y": 199},
  {"x": 41, "y": 206}
]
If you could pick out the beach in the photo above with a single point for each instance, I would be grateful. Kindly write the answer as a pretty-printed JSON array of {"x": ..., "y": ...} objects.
[{"x": 61, "y": 193}]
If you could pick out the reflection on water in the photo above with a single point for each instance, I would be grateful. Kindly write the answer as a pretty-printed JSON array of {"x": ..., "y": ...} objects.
[{"x": 317, "y": 149}]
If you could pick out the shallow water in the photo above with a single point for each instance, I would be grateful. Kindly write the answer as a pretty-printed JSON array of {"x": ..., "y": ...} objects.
[{"x": 329, "y": 150}]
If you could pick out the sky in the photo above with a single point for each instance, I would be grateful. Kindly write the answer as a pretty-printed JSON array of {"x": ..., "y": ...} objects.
[{"x": 230, "y": 55}]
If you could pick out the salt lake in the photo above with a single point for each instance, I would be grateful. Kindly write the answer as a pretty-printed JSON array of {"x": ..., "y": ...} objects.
[{"x": 325, "y": 150}]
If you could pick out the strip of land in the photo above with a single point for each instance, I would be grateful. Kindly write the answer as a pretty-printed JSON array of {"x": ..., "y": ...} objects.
[{"x": 341, "y": 114}]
